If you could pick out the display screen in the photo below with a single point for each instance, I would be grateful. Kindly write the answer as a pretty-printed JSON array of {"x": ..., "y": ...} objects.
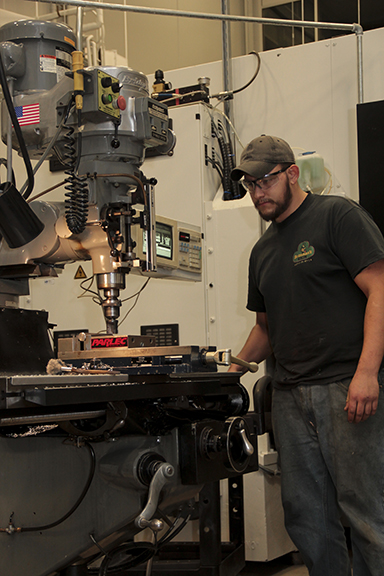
[
  {"x": 184, "y": 237},
  {"x": 164, "y": 245}
]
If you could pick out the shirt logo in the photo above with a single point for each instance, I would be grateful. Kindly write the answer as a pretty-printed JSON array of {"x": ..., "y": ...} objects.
[{"x": 304, "y": 252}]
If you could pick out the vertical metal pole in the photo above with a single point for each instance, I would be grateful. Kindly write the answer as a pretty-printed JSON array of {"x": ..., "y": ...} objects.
[
  {"x": 126, "y": 36},
  {"x": 316, "y": 18},
  {"x": 79, "y": 29},
  {"x": 359, "y": 39},
  {"x": 232, "y": 191},
  {"x": 9, "y": 136},
  {"x": 253, "y": 32},
  {"x": 227, "y": 76}
]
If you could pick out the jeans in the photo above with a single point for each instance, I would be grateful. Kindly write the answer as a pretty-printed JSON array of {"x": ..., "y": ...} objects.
[{"x": 332, "y": 473}]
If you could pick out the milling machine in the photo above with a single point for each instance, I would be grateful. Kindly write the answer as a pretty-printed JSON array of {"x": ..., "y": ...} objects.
[{"x": 120, "y": 434}]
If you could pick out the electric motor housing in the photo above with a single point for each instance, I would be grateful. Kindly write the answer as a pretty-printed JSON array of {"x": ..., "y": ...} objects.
[
  {"x": 36, "y": 55},
  {"x": 47, "y": 48}
]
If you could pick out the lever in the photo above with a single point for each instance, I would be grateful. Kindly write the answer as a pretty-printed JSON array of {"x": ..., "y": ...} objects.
[
  {"x": 247, "y": 446},
  {"x": 160, "y": 478},
  {"x": 225, "y": 358},
  {"x": 252, "y": 366}
]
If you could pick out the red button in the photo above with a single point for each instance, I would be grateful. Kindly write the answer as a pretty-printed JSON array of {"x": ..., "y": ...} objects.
[{"x": 121, "y": 103}]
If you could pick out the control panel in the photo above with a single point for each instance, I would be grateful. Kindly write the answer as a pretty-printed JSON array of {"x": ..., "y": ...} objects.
[
  {"x": 102, "y": 96},
  {"x": 178, "y": 248},
  {"x": 190, "y": 250},
  {"x": 108, "y": 89}
]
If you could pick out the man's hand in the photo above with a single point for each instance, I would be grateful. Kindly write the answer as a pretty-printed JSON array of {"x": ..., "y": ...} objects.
[
  {"x": 362, "y": 398},
  {"x": 237, "y": 368},
  {"x": 363, "y": 392},
  {"x": 257, "y": 347}
]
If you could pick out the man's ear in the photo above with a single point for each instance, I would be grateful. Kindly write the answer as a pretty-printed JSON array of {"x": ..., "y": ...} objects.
[{"x": 293, "y": 173}]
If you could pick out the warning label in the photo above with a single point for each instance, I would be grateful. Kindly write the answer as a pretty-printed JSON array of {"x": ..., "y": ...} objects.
[
  {"x": 47, "y": 63},
  {"x": 80, "y": 274}
]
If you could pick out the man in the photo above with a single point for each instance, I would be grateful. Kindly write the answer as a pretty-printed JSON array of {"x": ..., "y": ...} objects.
[{"x": 316, "y": 283}]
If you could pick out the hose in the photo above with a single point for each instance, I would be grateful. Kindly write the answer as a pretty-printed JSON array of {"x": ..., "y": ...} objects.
[
  {"x": 253, "y": 77},
  {"x": 76, "y": 199},
  {"x": 231, "y": 188}
]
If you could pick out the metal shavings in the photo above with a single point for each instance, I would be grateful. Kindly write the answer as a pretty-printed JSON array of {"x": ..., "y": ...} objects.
[{"x": 33, "y": 431}]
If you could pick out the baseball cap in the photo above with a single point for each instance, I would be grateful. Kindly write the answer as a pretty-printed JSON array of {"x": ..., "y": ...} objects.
[{"x": 261, "y": 155}]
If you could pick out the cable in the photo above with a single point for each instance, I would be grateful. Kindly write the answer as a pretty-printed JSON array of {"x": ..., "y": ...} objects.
[
  {"x": 137, "y": 294},
  {"x": 60, "y": 156},
  {"x": 217, "y": 166},
  {"x": 227, "y": 159},
  {"x": 4, "y": 162},
  {"x": 209, "y": 108},
  {"x": 144, "y": 551},
  {"x": 87, "y": 289},
  {"x": 74, "y": 507},
  {"x": 46, "y": 191},
  {"x": 49, "y": 147},
  {"x": 232, "y": 189},
  {"x": 228, "y": 95},
  {"x": 16, "y": 126},
  {"x": 173, "y": 532},
  {"x": 253, "y": 77}
]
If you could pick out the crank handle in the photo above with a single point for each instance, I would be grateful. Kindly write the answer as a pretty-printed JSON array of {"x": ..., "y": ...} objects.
[
  {"x": 163, "y": 475},
  {"x": 252, "y": 366},
  {"x": 225, "y": 358},
  {"x": 247, "y": 446}
]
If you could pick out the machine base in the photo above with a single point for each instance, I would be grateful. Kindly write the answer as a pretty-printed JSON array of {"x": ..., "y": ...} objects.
[{"x": 210, "y": 556}]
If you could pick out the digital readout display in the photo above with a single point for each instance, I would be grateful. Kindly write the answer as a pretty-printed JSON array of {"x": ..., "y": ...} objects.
[
  {"x": 164, "y": 246},
  {"x": 184, "y": 237}
]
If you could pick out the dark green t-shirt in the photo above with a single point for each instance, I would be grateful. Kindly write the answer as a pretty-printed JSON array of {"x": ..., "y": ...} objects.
[{"x": 301, "y": 274}]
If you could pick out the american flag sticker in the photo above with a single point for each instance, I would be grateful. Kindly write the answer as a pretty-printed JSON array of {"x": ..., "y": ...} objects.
[{"x": 28, "y": 114}]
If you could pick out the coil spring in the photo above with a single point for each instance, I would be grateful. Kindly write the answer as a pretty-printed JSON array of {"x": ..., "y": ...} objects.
[{"x": 76, "y": 202}]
